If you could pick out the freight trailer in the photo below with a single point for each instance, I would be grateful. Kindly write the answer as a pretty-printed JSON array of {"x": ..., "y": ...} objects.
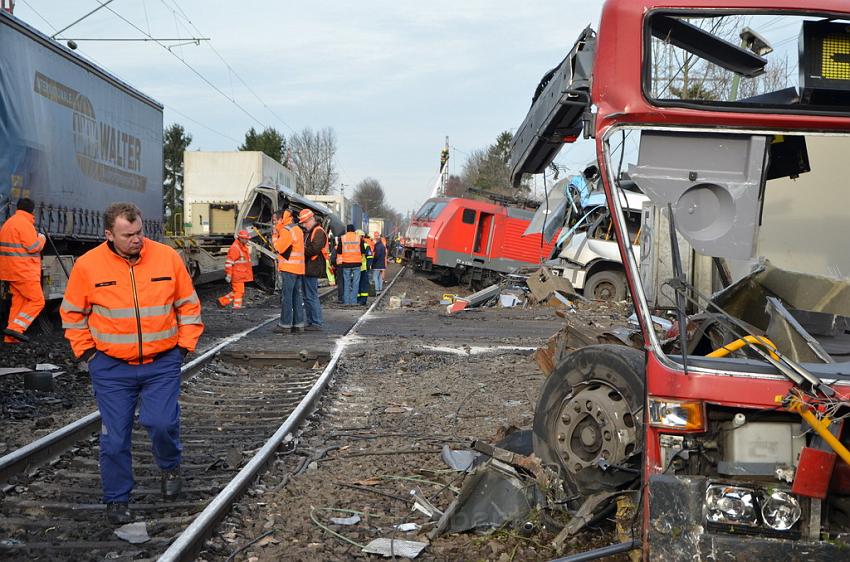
[{"x": 74, "y": 138}]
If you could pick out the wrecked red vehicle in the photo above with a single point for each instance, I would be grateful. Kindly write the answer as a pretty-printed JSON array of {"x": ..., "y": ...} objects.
[{"x": 727, "y": 429}]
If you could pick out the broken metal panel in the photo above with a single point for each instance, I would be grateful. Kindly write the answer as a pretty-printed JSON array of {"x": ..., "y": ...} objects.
[
  {"x": 492, "y": 495},
  {"x": 557, "y": 111},
  {"x": 789, "y": 336},
  {"x": 549, "y": 217},
  {"x": 820, "y": 306},
  {"x": 544, "y": 282},
  {"x": 713, "y": 182}
]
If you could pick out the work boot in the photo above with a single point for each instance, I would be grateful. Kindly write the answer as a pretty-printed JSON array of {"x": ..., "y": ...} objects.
[
  {"x": 17, "y": 335},
  {"x": 282, "y": 329},
  {"x": 172, "y": 483},
  {"x": 118, "y": 513},
  {"x": 297, "y": 329},
  {"x": 313, "y": 328}
]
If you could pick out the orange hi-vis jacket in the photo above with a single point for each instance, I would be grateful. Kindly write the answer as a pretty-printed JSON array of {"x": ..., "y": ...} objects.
[
  {"x": 238, "y": 263},
  {"x": 325, "y": 251},
  {"x": 131, "y": 312},
  {"x": 290, "y": 246},
  {"x": 20, "y": 248},
  {"x": 350, "y": 248}
]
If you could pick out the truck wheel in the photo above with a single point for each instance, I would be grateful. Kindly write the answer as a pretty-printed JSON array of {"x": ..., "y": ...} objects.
[
  {"x": 607, "y": 285},
  {"x": 588, "y": 420}
]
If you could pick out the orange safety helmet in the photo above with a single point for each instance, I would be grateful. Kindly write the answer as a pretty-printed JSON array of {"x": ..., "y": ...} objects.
[
  {"x": 243, "y": 235},
  {"x": 305, "y": 215}
]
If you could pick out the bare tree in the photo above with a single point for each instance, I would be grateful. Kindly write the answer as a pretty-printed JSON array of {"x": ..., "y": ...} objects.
[
  {"x": 313, "y": 160},
  {"x": 370, "y": 196}
]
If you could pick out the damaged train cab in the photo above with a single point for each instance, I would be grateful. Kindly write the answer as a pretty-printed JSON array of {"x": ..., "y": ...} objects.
[{"x": 734, "y": 121}]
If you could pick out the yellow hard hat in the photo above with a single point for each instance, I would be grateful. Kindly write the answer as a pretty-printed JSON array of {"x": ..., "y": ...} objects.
[{"x": 359, "y": 232}]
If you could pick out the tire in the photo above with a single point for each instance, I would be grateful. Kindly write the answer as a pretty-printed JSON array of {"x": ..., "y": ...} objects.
[
  {"x": 607, "y": 285},
  {"x": 591, "y": 408}
]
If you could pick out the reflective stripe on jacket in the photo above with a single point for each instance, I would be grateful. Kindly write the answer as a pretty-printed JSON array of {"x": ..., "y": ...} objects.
[
  {"x": 20, "y": 248},
  {"x": 131, "y": 312},
  {"x": 238, "y": 264},
  {"x": 351, "y": 253},
  {"x": 290, "y": 246}
]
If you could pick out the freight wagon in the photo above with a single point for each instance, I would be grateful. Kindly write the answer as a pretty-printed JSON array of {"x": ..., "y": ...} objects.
[
  {"x": 73, "y": 138},
  {"x": 474, "y": 242}
]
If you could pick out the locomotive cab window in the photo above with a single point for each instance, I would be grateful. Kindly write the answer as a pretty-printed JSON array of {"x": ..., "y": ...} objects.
[
  {"x": 468, "y": 216},
  {"x": 774, "y": 62}
]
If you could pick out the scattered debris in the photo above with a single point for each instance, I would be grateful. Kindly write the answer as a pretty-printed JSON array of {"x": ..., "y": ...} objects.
[
  {"x": 475, "y": 300},
  {"x": 543, "y": 283},
  {"x": 492, "y": 495},
  {"x": 133, "y": 533},
  {"x": 47, "y": 367},
  {"x": 458, "y": 460},
  {"x": 424, "y": 506},
  {"x": 407, "y": 527},
  {"x": 13, "y": 371},
  {"x": 353, "y": 520},
  {"x": 508, "y": 300},
  {"x": 395, "y": 548}
]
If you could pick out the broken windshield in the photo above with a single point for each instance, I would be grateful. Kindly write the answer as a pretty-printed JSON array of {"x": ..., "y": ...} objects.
[{"x": 761, "y": 223}]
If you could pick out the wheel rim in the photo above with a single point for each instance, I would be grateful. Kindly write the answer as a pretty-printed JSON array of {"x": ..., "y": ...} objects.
[
  {"x": 604, "y": 291},
  {"x": 594, "y": 424}
]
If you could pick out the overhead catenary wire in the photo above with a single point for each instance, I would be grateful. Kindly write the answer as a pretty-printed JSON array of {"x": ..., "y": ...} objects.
[
  {"x": 186, "y": 64},
  {"x": 228, "y": 65}
]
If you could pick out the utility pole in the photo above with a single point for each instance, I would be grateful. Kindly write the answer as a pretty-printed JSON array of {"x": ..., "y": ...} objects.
[{"x": 444, "y": 169}]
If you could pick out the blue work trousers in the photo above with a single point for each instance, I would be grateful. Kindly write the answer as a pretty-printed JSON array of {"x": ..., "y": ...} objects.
[
  {"x": 291, "y": 300},
  {"x": 377, "y": 280},
  {"x": 119, "y": 387},
  {"x": 363, "y": 292},
  {"x": 352, "y": 283},
  {"x": 312, "y": 306}
]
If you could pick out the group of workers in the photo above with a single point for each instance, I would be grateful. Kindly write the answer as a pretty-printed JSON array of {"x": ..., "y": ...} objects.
[
  {"x": 306, "y": 254},
  {"x": 131, "y": 314}
]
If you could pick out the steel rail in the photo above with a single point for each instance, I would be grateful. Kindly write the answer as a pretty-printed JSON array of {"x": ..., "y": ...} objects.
[
  {"x": 53, "y": 444},
  {"x": 189, "y": 543}
]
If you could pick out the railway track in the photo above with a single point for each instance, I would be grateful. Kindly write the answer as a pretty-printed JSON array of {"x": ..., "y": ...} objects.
[{"x": 239, "y": 400}]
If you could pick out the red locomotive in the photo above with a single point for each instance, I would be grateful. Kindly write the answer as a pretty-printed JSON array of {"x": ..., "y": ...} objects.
[{"x": 471, "y": 241}]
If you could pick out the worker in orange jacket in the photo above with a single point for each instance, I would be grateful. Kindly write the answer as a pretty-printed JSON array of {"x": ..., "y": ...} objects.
[
  {"x": 131, "y": 312},
  {"x": 20, "y": 266},
  {"x": 349, "y": 254},
  {"x": 237, "y": 270},
  {"x": 290, "y": 262}
]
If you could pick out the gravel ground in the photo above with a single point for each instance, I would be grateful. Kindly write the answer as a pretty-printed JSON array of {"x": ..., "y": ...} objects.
[
  {"x": 26, "y": 415},
  {"x": 416, "y": 381}
]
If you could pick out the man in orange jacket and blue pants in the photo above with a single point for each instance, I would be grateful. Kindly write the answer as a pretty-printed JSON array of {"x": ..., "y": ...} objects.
[
  {"x": 238, "y": 270},
  {"x": 291, "y": 264},
  {"x": 131, "y": 312},
  {"x": 20, "y": 266}
]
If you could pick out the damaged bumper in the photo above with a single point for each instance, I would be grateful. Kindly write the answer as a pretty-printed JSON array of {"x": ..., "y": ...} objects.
[{"x": 677, "y": 530}]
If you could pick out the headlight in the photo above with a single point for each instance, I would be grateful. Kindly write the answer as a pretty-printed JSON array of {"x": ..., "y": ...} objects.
[
  {"x": 684, "y": 415},
  {"x": 731, "y": 505},
  {"x": 779, "y": 510}
]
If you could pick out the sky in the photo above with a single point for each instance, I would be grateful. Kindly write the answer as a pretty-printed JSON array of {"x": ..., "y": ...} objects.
[{"x": 393, "y": 78}]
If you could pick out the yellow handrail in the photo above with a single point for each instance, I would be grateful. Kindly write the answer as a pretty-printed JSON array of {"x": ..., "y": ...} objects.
[{"x": 738, "y": 344}]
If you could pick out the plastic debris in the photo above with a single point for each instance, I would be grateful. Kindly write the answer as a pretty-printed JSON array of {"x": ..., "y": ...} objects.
[
  {"x": 395, "y": 547},
  {"x": 46, "y": 367},
  {"x": 133, "y": 533},
  {"x": 353, "y": 520},
  {"x": 407, "y": 527},
  {"x": 458, "y": 460}
]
